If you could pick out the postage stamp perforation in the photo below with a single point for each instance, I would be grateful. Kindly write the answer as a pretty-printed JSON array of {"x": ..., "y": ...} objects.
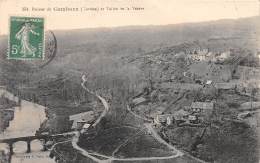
[{"x": 28, "y": 42}]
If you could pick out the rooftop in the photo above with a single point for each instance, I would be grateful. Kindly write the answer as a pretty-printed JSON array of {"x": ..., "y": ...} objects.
[
  {"x": 202, "y": 105},
  {"x": 82, "y": 116}
]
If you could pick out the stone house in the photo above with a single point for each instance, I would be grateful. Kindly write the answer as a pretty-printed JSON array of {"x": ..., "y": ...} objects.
[
  {"x": 202, "y": 109},
  {"x": 163, "y": 119},
  {"x": 80, "y": 119}
]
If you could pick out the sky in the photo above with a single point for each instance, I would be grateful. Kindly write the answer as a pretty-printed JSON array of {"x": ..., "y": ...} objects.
[{"x": 155, "y": 12}]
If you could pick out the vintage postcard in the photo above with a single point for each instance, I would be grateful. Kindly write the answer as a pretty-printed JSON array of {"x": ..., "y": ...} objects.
[{"x": 129, "y": 81}]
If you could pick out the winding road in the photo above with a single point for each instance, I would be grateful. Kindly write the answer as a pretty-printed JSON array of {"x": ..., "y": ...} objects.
[
  {"x": 103, "y": 101},
  {"x": 136, "y": 115},
  {"x": 75, "y": 139},
  {"x": 109, "y": 159}
]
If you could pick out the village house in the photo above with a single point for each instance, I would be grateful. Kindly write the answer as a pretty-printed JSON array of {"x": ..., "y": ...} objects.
[
  {"x": 226, "y": 86},
  {"x": 177, "y": 117},
  {"x": 80, "y": 119},
  {"x": 163, "y": 119},
  {"x": 202, "y": 109},
  {"x": 180, "y": 115},
  {"x": 222, "y": 56},
  {"x": 201, "y": 55},
  {"x": 157, "y": 111},
  {"x": 85, "y": 127},
  {"x": 197, "y": 57},
  {"x": 205, "y": 55},
  {"x": 208, "y": 82}
]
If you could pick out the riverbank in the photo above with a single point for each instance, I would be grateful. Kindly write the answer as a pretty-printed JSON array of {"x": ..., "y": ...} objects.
[
  {"x": 5, "y": 103},
  {"x": 26, "y": 120},
  {"x": 59, "y": 103},
  {"x": 6, "y": 112}
]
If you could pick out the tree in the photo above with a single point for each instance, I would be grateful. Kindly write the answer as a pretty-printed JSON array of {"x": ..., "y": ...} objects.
[{"x": 252, "y": 93}]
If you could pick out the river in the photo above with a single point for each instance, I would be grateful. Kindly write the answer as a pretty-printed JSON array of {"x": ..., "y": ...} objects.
[{"x": 27, "y": 119}]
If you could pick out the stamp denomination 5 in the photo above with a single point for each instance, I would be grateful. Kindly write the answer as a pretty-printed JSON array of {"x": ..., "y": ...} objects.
[{"x": 26, "y": 38}]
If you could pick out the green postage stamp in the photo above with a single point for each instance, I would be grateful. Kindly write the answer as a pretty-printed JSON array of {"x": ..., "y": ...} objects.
[{"x": 26, "y": 38}]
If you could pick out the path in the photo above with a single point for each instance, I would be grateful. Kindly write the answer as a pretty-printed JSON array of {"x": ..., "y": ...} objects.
[
  {"x": 103, "y": 101},
  {"x": 111, "y": 158},
  {"x": 136, "y": 115},
  {"x": 159, "y": 139}
]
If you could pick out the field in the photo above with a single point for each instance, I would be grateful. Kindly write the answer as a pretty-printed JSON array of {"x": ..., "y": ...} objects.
[
  {"x": 100, "y": 143},
  {"x": 124, "y": 142},
  {"x": 143, "y": 146}
]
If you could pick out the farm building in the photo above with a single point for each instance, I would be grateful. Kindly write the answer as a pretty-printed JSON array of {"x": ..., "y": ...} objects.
[
  {"x": 163, "y": 119},
  {"x": 180, "y": 115},
  {"x": 80, "y": 119},
  {"x": 203, "y": 109},
  {"x": 225, "y": 86}
]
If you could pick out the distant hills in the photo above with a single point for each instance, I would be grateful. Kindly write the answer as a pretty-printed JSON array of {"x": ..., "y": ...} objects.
[
  {"x": 102, "y": 49},
  {"x": 136, "y": 39}
]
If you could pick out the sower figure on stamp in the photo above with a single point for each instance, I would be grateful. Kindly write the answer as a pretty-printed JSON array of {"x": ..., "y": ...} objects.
[{"x": 24, "y": 36}]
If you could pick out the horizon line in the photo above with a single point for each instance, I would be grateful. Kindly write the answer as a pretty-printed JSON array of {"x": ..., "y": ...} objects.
[{"x": 145, "y": 25}]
